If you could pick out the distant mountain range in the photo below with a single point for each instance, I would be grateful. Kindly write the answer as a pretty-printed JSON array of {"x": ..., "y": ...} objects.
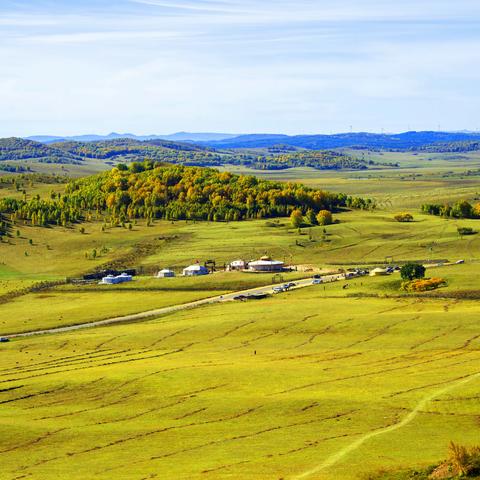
[
  {"x": 175, "y": 137},
  {"x": 361, "y": 140},
  {"x": 400, "y": 141}
]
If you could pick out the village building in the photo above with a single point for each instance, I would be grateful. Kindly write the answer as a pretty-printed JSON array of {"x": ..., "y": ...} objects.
[
  {"x": 376, "y": 272},
  {"x": 165, "y": 273},
  {"x": 114, "y": 280},
  {"x": 237, "y": 265},
  {"x": 266, "y": 264},
  {"x": 194, "y": 270}
]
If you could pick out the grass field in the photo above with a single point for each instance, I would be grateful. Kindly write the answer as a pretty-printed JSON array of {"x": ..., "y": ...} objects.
[
  {"x": 324, "y": 383},
  {"x": 303, "y": 385}
]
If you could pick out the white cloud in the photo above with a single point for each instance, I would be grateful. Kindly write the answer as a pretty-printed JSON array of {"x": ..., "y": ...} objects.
[{"x": 309, "y": 65}]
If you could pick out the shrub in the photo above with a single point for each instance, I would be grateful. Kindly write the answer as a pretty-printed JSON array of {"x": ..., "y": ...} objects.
[
  {"x": 410, "y": 271},
  {"x": 466, "y": 231},
  {"x": 403, "y": 217},
  {"x": 461, "y": 462},
  {"x": 423, "y": 284}
]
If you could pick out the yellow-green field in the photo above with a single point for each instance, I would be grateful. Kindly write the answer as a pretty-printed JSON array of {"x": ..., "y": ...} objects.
[
  {"x": 301, "y": 385},
  {"x": 322, "y": 383}
]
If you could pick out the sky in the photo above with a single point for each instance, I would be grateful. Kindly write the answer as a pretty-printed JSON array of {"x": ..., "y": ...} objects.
[{"x": 72, "y": 67}]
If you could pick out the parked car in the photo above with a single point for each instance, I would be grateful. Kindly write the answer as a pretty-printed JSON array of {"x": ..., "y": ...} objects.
[
  {"x": 240, "y": 297},
  {"x": 257, "y": 296}
]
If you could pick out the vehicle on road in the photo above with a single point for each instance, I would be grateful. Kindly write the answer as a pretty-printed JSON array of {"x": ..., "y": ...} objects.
[
  {"x": 316, "y": 281},
  {"x": 278, "y": 289},
  {"x": 257, "y": 296},
  {"x": 240, "y": 297},
  {"x": 458, "y": 262}
]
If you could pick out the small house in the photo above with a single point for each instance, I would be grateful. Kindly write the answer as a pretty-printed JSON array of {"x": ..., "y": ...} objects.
[
  {"x": 165, "y": 273},
  {"x": 237, "y": 265},
  {"x": 115, "y": 280},
  {"x": 376, "y": 272},
  {"x": 266, "y": 264},
  {"x": 195, "y": 270}
]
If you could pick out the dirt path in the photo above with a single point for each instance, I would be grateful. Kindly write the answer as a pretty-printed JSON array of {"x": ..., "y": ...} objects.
[
  {"x": 336, "y": 457},
  {"x": 157, "y": 312}
]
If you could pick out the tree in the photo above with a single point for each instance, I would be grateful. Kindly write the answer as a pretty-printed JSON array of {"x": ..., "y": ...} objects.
[
  {"x": 411, "y": 271},
  {"x": 324, "y": 217},
  {"x": 462, "y": 210},
  {"x": 310, "y": 217},
  {"x": 296, "y": 218}
]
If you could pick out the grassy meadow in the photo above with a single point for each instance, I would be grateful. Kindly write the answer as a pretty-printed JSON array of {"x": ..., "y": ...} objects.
[
  {"x": 322, "y": 383},
  {"x": 310, "y": 384}
]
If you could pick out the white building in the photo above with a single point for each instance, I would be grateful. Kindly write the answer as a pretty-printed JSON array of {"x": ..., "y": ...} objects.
[
  {"x": 238, "y": 265},
  {"x": 376, "y": 272},
  {"x": 266, "y": 264},
  {"x": 165, "y": 273},
  {"x": 194, "y": 270},
  {"x": 112, "y": 280}
]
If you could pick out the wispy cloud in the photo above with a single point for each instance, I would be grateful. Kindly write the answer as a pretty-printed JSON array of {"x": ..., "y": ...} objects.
[{"x": 285, "y": 65}]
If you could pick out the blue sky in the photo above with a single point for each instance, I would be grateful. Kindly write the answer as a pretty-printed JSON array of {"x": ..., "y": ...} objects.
[{"x": 285, "y": 66}]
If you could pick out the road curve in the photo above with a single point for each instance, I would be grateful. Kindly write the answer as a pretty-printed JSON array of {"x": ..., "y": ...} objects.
[{"x": 135, "y": 317}]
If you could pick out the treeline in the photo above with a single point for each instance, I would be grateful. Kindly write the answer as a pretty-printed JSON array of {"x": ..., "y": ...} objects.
[
  {"x": 321, "y": 160},
  {"x": 6, "y": 167},
  {"x": 156, "y": 191},
  {"x": 193, "y": 155},
  {"x": 451, "y": 147},
  {"x": 20, "y": 149},
  {"x": 462, "y": 209},
  {"x": 128, "y": 150}
]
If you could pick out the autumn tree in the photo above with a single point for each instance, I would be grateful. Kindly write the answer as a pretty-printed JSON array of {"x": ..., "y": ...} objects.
[
  {"x": 296, "y": 218},
  {"x": 324, "y": 217}
]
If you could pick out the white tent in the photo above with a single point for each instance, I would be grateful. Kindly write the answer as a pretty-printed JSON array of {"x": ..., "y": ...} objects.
[
  {"x": 194, "y": 270},
  {"x": 378, "y": 271},
  {"x": 165, "y": 273}
]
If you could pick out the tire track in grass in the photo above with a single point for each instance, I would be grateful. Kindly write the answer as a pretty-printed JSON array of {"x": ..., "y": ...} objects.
[
  {"x": 368, "y": 374},
  {"x": 336, "y": 457}
]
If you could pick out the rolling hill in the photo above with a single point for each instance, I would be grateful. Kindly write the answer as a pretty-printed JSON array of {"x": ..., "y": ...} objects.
[{"x": 362, "y": 140}]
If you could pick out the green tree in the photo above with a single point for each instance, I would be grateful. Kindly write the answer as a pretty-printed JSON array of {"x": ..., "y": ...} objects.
[
  {"x": 311, "y": 218},
  {"x": 324, "y": 217},
  {"x": 411, "y": 271},
  {"x": 296, "y": 218}
]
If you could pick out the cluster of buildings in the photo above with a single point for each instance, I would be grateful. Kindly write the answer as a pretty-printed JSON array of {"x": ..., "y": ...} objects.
[
  {"x": 264, "y": 265},
  {"x": 116, "y": 279}
]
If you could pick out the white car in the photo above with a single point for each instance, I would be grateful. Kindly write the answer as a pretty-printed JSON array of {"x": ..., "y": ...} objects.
[{"x": 316, "y": 281}]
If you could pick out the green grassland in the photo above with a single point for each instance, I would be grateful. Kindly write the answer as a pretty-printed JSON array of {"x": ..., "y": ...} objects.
[
  {"x": 421, "y": 178},
  {"x": 322, "y": 383},
  {"x": 308, "y": 384},
  {"x": 56, "y": 253},
  {"x": 358, "y": 236}
]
